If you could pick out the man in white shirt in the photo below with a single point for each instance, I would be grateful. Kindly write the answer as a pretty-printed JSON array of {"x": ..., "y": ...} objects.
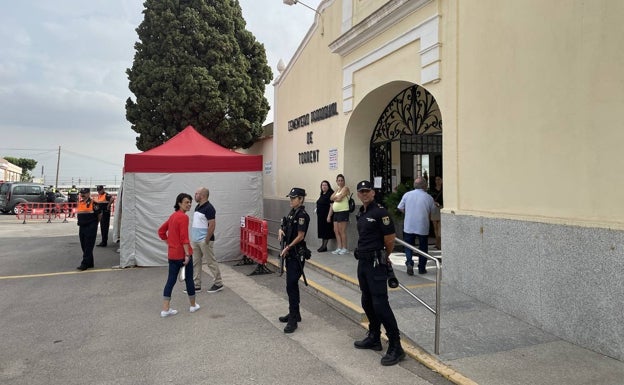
[
  {"x": 202, "y": 241},
  {"x": 417, "y": 206}
]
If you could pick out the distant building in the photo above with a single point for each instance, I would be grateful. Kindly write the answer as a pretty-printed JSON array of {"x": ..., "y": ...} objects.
[{"x": 9, "y": 172}]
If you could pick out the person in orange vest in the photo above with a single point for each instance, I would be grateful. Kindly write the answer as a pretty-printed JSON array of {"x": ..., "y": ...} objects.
[
  {"x": 88, "y": 212},
  {"x": 104, "y": 200}
]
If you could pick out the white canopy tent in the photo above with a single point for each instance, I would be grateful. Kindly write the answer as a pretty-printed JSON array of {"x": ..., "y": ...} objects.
[{"x": 153, "y": 179}]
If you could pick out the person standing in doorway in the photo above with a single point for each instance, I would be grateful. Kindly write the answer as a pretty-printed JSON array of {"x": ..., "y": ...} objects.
[
  {"x": 323, "y": 219},
  {"x": 88, "y": 214},
  {"x": 438, "y": 200},
  {"x": 293, "y": 232},
  {"x": 417, "y": 206},
  {"x": 104, "y": 201},
  {"x": 375, "y": 244},
  {"x": 179, "y": 253},
  {"x": 202, "y": 237},
  {"x": 340, "y": 212}
]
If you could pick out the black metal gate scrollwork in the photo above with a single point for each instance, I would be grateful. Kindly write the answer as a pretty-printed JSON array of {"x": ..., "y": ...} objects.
[{"x": 414, "y": 111}]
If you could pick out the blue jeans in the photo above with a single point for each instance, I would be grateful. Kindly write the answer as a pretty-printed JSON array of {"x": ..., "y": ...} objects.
[
  {"x": 423, "y": 245},
  {"x": 174, "y": 269}
]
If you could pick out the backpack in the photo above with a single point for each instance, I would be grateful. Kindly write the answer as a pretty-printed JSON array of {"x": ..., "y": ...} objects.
[{"x": 351, "y": 204}]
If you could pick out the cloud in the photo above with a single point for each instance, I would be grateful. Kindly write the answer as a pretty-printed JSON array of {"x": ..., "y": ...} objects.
[{"x": 63, "y": 81}]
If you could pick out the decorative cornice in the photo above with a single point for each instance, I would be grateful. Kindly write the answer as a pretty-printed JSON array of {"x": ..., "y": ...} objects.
[{"x": 376, "y": 23}]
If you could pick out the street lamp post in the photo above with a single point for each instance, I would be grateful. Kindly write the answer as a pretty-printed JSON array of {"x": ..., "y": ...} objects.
[{"x": 293, "y": 2}]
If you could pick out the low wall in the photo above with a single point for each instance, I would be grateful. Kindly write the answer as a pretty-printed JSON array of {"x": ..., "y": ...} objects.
[{"x": 566, "y": 280}]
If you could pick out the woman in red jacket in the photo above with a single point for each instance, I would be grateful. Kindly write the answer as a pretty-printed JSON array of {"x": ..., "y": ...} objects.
[{"x": 180, "y": 254}]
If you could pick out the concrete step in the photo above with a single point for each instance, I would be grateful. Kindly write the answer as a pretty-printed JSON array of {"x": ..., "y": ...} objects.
[{"x": 332, "y": 287}]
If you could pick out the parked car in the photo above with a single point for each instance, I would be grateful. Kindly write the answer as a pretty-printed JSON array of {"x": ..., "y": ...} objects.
[{"x": 14, "y": 193}]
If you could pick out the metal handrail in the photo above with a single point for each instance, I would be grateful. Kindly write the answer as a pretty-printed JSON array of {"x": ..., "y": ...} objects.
[
  {"x": 436, "y": 311},
  {"x": 438, "y": 295}
]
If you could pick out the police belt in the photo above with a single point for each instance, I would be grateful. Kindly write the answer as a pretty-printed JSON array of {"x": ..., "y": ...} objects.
[{"x": 369, "y": 255}]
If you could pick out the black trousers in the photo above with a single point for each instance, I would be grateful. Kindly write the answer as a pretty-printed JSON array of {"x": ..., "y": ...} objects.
[
  {"x": 294, "y": 269},
  {"x": 87, "y": 234},
  {"x": 373, "y": 284},
  {"x": 104, "y": 225}
]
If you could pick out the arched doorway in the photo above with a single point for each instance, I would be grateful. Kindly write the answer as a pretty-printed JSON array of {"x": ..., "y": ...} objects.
[{"x": 413, "y": 119}]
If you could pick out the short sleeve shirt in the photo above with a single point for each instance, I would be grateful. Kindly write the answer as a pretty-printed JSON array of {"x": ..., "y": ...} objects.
[
  {"x": 301, "y": 220},
  {"x": 372, "y": 225},
  {"x": 201, "y": 216}
]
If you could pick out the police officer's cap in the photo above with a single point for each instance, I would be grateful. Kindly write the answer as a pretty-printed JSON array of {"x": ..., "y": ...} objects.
[
  {"x": 85, "y": 190},
  {"x": 364, "y": 185},
  {"x": 100, "y": 187},
  {"x": 296, "y": 192}
]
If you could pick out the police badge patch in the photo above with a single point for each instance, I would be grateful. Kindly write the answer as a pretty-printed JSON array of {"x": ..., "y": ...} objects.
[
  {"x": 301, "y": 221},
  {"x": 386, "y": 220}
]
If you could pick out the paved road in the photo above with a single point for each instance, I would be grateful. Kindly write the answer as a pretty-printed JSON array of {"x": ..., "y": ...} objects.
[{"x": 60, "y": 326}]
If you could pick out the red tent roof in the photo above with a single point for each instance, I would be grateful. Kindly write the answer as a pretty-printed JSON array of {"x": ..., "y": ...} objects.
[{"x": 189, "y": 151}]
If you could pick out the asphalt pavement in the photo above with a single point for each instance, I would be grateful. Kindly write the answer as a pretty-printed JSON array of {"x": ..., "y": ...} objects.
[{"x": 102, "y": 326}]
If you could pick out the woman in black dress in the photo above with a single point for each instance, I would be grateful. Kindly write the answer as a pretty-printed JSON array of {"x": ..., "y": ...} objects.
[{"x": 324, "y": 221}]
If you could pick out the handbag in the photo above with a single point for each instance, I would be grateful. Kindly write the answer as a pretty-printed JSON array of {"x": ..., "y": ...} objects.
[
  {"x": 182, "y": 274},
  {"x": 351, "y": 204}
]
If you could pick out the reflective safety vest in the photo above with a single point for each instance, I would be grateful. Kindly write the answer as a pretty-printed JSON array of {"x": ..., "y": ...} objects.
[
  {"x": 85, "y": 207},
  {"x": 86, "y": 212}
]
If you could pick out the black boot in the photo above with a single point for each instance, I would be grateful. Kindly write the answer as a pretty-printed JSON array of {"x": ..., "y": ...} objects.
[
  {"x": 372, "y": 341},
  {"x": 395, "y": 353},
  {"x": 323, "y": 247},
  {"x": 291, "y": 326},
  {"x": 286, "y": 317}
]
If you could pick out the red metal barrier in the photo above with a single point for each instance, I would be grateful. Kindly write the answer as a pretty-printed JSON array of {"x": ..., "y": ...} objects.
[
  {"x": 49, "y": 211},
  {"x": 254, "y": 236}
]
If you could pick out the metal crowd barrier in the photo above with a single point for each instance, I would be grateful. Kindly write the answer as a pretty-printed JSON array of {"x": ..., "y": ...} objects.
[
  {"x": 254, "y": 234},
  {"x": 49, "y": 211}
]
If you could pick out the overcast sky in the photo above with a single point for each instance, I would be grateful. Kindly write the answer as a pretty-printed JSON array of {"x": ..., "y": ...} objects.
[{"x": 63, "y": 81}]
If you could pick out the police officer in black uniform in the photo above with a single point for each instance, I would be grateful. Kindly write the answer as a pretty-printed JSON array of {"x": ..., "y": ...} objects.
[
  {"x": 293, "y": 232},
  {"x": 375, "y": 243}
]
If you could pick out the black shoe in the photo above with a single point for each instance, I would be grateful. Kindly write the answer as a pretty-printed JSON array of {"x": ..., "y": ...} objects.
[
  {"x": 82, "y": 268},
  {"x": 410, "y": 270},
  {"x": 101, "y": 244},
  {"x": 286, "y": 317},
  {"x": 422, "y": 271},
  {"x": 290, "y": 327},
  {"x": 394, "y": 355},
  {"x": 372, "y": 341},
  {"x": 322, "y": 249}
]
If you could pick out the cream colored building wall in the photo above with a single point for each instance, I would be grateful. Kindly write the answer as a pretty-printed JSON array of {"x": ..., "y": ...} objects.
[
  {"x": 264, "y": 147},
  {"x": 311, "y": 80},
  {"x": 539, "y": 101}
]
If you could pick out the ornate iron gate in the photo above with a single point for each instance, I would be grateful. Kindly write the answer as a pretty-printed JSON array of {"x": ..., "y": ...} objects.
[{"x": 414, "y": 111}]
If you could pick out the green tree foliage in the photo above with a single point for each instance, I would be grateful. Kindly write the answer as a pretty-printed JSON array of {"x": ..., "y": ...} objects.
[
  {"x": 196, "y": 64},
  {"x": 26, "y": 164}
]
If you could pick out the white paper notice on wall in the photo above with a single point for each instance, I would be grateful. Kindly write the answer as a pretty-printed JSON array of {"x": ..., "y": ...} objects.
[
  {"x": 377, "y": 182},
  {"x": 333, "y": 159},
  {"x": 268, "y": 167}
]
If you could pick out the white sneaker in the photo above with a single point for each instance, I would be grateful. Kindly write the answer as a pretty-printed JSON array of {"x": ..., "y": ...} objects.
[
  {"x": 343, "y": 251},
  {"x": 167, "y": 313},
  {"x": 337, "y": 251},
  {"x": 193, "y": 309}
]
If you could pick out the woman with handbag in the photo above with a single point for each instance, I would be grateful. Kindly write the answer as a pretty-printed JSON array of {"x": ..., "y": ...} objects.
[
  {"x": 340, "y": 211},
  {"x": 179, "y": 253}
]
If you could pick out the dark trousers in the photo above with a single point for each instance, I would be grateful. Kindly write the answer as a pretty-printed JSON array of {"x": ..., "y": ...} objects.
[
  {"x": 104, "y": 225},
  {"x": 423, "y": 245},
  {"x": 87, "y": 234},
  {"x": 294, "y": 269},
  {"x": 372, "y": 280},
  {"x": 172, "y": 277}
]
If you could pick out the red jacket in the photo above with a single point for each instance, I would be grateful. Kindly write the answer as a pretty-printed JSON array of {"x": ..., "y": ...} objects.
[{"x": 175, "y": 232}]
